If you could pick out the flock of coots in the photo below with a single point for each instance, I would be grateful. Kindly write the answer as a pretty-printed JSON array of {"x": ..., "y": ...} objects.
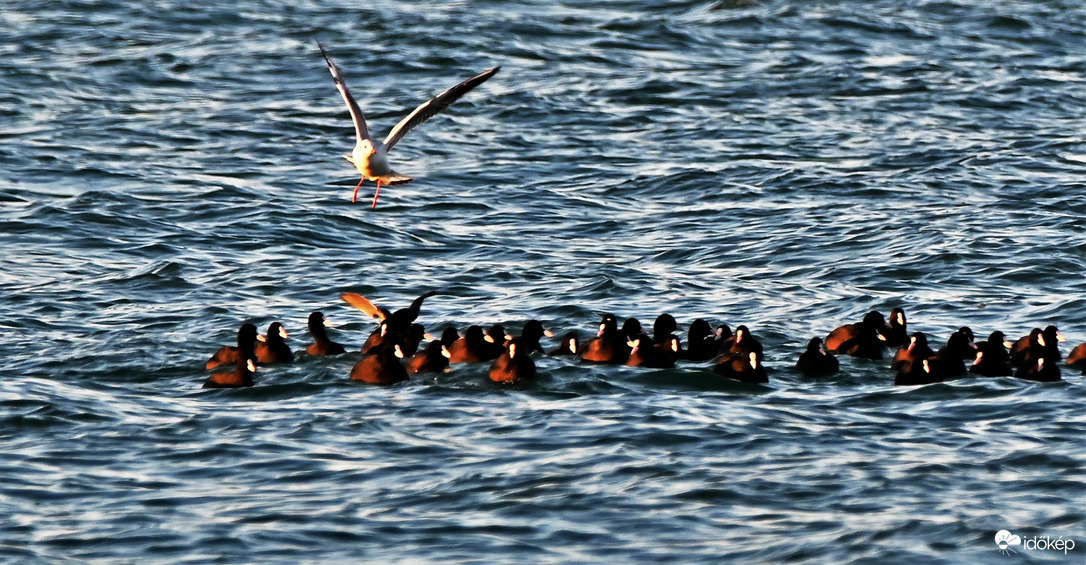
[{"x": 395, "y": 349}]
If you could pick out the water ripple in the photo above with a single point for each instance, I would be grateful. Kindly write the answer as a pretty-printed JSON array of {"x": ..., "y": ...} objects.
[{"x": 170, "y": 173}]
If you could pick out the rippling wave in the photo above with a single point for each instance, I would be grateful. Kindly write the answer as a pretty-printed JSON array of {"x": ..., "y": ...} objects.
[{"x": 172, "y": 169}]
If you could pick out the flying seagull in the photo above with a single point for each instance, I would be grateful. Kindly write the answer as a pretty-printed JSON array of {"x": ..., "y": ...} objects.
[{"x": 370, "y": 156}]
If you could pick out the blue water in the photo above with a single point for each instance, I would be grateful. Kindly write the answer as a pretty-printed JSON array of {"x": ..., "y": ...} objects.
[{"x": 169, "y": 170}]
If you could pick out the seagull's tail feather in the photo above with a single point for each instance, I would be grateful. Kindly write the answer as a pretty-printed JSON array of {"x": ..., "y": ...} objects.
[{"x": 394, "y": 178}]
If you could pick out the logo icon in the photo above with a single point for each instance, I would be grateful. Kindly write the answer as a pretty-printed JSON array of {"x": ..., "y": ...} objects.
[{"x": 1005, "y": 540}]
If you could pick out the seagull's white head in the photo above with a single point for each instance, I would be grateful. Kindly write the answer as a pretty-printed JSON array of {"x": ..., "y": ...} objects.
[{"x": 368, "y": 149}]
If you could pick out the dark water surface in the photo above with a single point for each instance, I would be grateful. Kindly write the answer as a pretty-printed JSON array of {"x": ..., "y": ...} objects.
[{"x": 170, "y": 169}]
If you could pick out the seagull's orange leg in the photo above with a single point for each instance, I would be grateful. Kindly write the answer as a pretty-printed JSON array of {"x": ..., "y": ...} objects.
[
  {"x": 354, "y": 195},
  {"x": 376, "y": 194}
]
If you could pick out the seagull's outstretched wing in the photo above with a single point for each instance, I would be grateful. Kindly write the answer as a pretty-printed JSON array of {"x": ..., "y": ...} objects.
[
  {"x": 360, "y": 130},
  {"x": 433, "y": 107}
]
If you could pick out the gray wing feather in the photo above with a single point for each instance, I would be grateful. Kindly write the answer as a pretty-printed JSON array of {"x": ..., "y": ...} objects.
[
  {"x": 360, "y": 130},
  {"x": 434, "y": 106}
]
